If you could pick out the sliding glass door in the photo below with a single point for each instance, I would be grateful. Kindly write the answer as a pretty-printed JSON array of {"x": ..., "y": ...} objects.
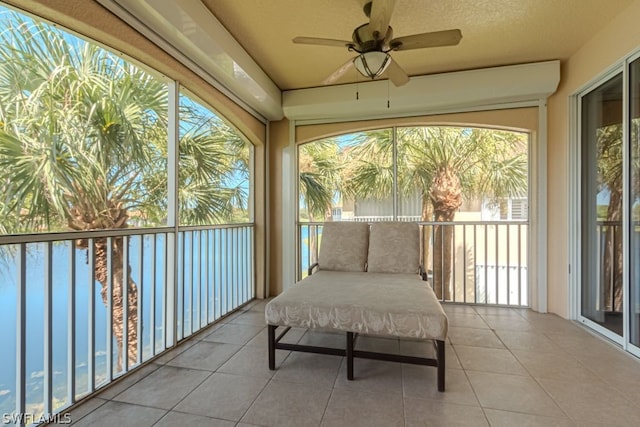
[
  {"x": 602, "y": 296},
  {"x": 634, "y": 202},
  {"x": 609, "y": 246}
]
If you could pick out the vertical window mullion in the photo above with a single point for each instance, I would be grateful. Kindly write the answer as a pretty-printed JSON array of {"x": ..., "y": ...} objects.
[
  {"x": 394, "y": 140},
  {"x": 172, "y": 211}
]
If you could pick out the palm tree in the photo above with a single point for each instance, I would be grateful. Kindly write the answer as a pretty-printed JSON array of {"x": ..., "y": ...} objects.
[
  {"x": 441, "y": 164},
  {"x": 83, "y": 146},
  {"x": 610, "y": 176},
  {"x": 212, "y": 155},
  {"x": 319, "y": 170}
]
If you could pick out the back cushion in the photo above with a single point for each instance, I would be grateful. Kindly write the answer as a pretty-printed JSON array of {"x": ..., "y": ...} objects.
[
  {"x": 344, "y": 246},
  {"x": 394, "y": 247}
]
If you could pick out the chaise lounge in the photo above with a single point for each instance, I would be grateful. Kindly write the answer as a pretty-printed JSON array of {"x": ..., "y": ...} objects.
[{"x": 368, "y": 280}]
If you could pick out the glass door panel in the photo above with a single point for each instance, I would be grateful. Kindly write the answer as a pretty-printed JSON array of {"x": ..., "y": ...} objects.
[
  {"x": 602, "y": 182},
  {"x": 634, "y": 193}
]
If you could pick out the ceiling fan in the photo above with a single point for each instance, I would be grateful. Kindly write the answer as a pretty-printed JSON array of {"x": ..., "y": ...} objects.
[{"x": 374, "y": 40}]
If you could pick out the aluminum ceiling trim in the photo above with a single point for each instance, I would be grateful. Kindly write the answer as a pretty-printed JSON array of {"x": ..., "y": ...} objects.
[{"x": 189, "y": 32}]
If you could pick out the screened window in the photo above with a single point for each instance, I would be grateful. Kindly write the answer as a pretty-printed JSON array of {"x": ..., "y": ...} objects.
[
  {"x": 83, "y": 134},
  {"x": 439, "y": 173},
  {"x": 214, "y": 167},
  {"x": 83, "y": 141}
]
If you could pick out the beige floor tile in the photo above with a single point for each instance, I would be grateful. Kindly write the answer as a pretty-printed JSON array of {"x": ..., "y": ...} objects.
[
  {"x": 581, "y": 343},
  {"x": 376, "y": 344},
  {"x": 286, "y": 404},
  {"x": 258, "y": 304},
  {"x": 509, "y": 323},
  {"x": 234, "y": 333},
  {"x": 497, "y": 311},
  {"x": 292, "y": 337},
  {"x": 618, "y": 369},
  {"x": 307, "y": 368},
  {"x": 122, "y": 415},
  {"x": 422, "y": 412},
  {"x": 489, "y": 360},
  {"x": 223, "y": 396},
  {"x": 363, "y": 409},
  {"x": 324, "y": 339},
  {"x": 173, "y": 419},
  {"x": 556, "y": 364},
  {"x": 205, "y": 355},
  {"x": 458, "y": 309},
  {"x": 592, "y": 401},
  {"x": 474, "y": 337},
  {"x": 512, "y": 393},
  {"x": 524, "y": 340},
  {"x": 251, "y": 317},
  {"x": 128, "y": 380},
  {"x": 552, "y": 323},
  {"x": 210, "y": 328},
  {"x": 420, "y": 382},
  {"x": 253, "y": 362},
  {"x": 565, "y": 375},
  {"x": 426, "y": 349},
  {"x": 81, "y": 410},
  {"x": 372, "y": 376},
  {"x": 467, "y": 320},
  {"x": 511, "y": 419},
  {"x": 172, "y": 353},
  {"x": 230, "y": 316},
  {"x": 163, "y": 388}
]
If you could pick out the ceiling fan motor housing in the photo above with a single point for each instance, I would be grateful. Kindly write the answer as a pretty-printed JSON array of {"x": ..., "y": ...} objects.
[{"x": 366, "y": 41}]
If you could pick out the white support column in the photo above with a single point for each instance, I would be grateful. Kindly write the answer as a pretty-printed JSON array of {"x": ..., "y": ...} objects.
[
  {"x": 289, "y": 210},
  {"x": 540, "y": 220}
]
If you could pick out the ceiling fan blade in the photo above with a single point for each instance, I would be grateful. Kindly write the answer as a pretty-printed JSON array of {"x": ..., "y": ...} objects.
[
  {"x": 338, "y": 73},
  {"x": 323, "y": 42},
  {"x": 396, "y": 74},
  {"x": 381, "y": 11},
  {"x": 434, "y": 39}
]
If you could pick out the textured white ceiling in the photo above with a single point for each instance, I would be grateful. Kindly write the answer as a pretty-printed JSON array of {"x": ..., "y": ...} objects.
[{"x": 495, "y": 32}]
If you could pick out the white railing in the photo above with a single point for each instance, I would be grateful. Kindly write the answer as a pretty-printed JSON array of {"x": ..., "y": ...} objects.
[
  {"x": 380, "y": 218},
  {"x": 487, "y": 259},
  {"x": 62, "y": 310}
]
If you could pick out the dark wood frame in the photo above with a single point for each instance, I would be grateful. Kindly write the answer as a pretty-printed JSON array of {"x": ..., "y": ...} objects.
[{"x": 350, "y": 352}]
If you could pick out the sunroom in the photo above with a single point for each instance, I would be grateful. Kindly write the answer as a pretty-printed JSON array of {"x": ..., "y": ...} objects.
[{"x": 167, "y": 167}]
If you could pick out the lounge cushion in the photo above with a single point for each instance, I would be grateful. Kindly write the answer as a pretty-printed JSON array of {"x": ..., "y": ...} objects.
[
  {"x": 344, "y": 246},
  {"x": 399, "y": 305},
  {"x": 394, "y": 247}
]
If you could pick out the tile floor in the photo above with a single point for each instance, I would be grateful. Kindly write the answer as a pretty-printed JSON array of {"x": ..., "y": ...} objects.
[{"x": 505, "y": 367}]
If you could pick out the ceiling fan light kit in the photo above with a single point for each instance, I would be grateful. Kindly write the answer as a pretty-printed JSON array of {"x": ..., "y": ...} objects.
[
  {"x": 372, "y": 64},
  {"x": 374, "y": 40}
]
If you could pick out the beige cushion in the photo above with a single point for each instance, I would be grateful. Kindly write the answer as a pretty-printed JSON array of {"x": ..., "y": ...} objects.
[
  {"x": 398, "y": 305},
  {"x": 394, "y": 247},
  {"x": 344, "y": 246}
]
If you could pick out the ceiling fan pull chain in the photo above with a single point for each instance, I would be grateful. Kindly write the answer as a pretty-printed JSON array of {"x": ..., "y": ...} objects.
[
  {"x": 388, "y": 103},
  {"x": 357, "y": 91}
]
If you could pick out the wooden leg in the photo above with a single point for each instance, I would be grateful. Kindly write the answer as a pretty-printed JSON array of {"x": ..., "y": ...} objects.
[
  {"x": 441, "y": 365},
  {"x": 271, "y": 335},
  {"x": 349, "y": 355}
]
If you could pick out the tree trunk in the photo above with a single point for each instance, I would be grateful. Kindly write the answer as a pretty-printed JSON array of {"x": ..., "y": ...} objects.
[
  {"x": 117, "y": 309},
  {"x": 612, "y": 255},
  {"x": 86, "y": 216},
  {"x": 427, "y": 215},
  {"x": 443, "y": 252},
  {"x": 446, "y": 197}
]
